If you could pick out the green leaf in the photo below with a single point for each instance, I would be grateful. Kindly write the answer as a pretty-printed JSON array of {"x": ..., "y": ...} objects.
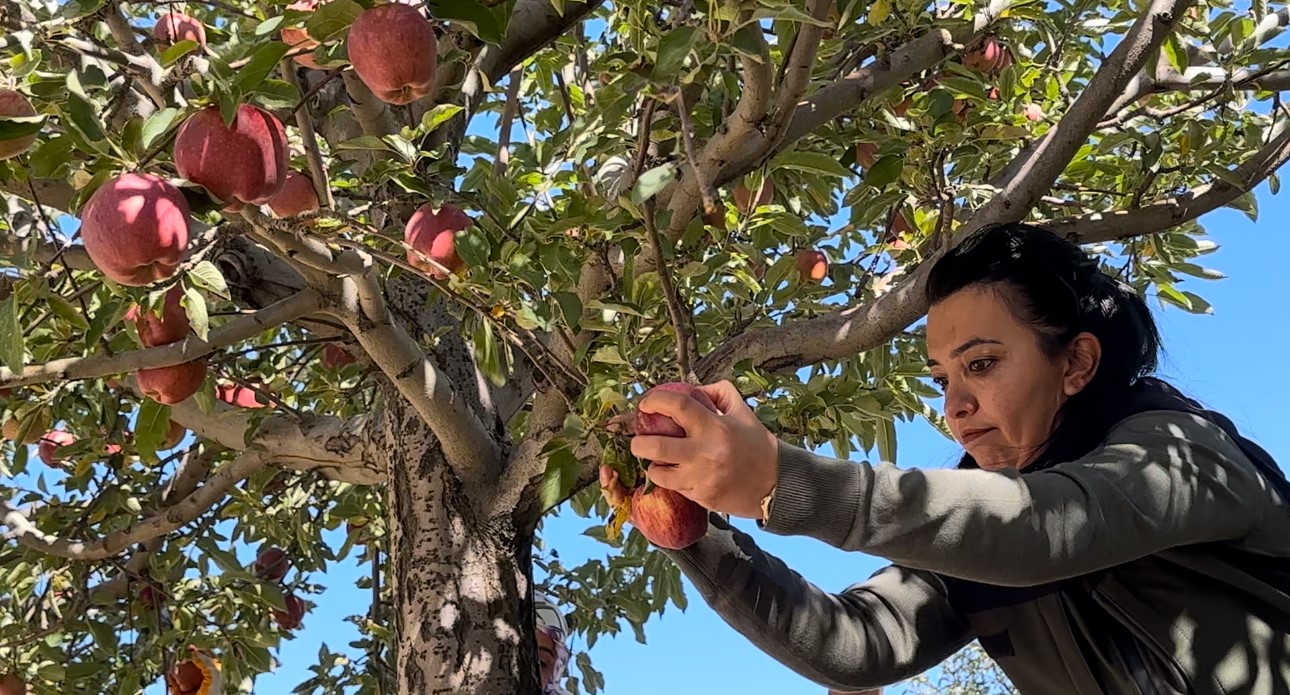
[
  {"x": 195, "y": 304},
  {"x": 332, "y": 18},
  {"x": 884, "y": 171},
  {"x": 157, "y": 125},
  {"x": 651, "y": 182},
  {"x": 887, "y": 441},
  {"x": 746, "y": 42},
  {"x": 12, "y": 343},
  {"x": 471, "y": 15},
  {"x": 672, "y": 51},
  {"x": 276, "y": 94},
  {"x": 439, "y": 115},
  {"x": 176, "y": 51},
  {"x": 560, "y": 477},
  {"x": 365, "y": 142},
  {"x": 272, "y": 594},
  {"x": 14, "y": 127},
  {"x": 151, "y": 427},
  {"x": 879, "y": 11},
  {"x": 810, "y": 162},
  {"x": 473, "y": 247},
  {"x": 262, "y": 62},
  {"x": 206, "y": 276},
  {"x": 570, "y": 308},
  {"x": 1176, "y": 52},
  {"x": 82, "y": 112},
  {"x": 269, "y": 25}
]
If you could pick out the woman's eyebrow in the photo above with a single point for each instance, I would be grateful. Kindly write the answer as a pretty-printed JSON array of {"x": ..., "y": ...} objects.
[{"x": 967, "y": 345}]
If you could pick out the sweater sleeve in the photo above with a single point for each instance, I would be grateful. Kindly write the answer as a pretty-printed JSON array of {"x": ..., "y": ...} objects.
[
  {"x": 895, "y": 625},
  {"x": 1160, "y": 479}
]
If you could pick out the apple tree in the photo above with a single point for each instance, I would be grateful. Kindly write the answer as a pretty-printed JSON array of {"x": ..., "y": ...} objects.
[{"x": 270, "y": 270}]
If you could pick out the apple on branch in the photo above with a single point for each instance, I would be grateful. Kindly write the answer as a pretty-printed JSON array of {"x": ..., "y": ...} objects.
[
  {"x": 243, "y": 163},
  {"x": 394, "y": 52},
  {"x": 135, "y": 229}
]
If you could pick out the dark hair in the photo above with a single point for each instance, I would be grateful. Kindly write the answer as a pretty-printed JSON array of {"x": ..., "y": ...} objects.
[{"x": 1060, "y": 292}]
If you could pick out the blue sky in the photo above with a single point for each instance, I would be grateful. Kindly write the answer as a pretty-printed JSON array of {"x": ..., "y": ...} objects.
[{"x": 1229, "y": 360}]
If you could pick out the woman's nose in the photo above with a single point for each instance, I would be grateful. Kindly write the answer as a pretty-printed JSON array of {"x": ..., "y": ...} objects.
[{"x": 959, "y": 402}]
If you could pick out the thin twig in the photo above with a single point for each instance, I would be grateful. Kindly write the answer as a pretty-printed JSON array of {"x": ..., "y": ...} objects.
[
  {"x": 305, "y": 122},
  {"x": 669, "y": 292},
  {"x": 642, "y": 138},
  {"x": 331, "y": 75},
  {"x": 508, "y": 120},
  {"x": 687, "y": 136}
]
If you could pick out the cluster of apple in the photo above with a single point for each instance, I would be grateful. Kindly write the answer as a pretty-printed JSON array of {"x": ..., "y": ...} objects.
[{"x": 271, "y": 565}]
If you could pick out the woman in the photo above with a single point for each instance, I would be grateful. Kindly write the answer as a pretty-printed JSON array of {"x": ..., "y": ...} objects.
[{"x": 1102, "y": 533}]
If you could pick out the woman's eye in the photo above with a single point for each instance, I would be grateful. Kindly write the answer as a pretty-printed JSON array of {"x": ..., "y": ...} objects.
[{"x": 980, "y": 365}]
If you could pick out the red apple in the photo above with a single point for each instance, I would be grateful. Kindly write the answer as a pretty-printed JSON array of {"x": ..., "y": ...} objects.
[
  {"x": 394, "y": 52},
  {"x": 335, "y": 356},
  {"x": 297, "y": 37},
  {"x": 433, "y": 234},
  {"x": 239, "y": 396},
  {"x": 271, "y": 564},
  {"x": 866, "y": 154},
  {"x": 297, "y": 196},
  {"x": 246, "y": 163},
  {"x": 1033, "y": 112},
  {"x": 989, "y": 56},
  {"x": 174, "y": 435},
  {"x": 185, "y": 678},
  {"x": 662, "y": 425},
  {"x": 717, "y": 218},
  {"x": 667, "y": 519},
  {"x": 149, "y": 596},
  {"x": 291, "y": 617},
  {"x": 172, "y": 385},
  {"x": 170, "y": 327},
  {"x": 11, "y": 684},
  {"x": 743, "y": 196},
  {"x": 812, "y": 265},
  {"x": 50, "y": 444},
  {"x": 902, "y": 108},
  {"x": 135, "y": 229},
  {"x": 177, "y": 26},
  {"x": 15, "y": 104}
]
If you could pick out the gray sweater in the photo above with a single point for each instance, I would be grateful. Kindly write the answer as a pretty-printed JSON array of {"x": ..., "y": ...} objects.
[{"x": 1053, "y": 570}]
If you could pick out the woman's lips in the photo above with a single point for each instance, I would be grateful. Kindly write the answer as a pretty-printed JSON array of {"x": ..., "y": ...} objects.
[{"x": 972, "y": 435}]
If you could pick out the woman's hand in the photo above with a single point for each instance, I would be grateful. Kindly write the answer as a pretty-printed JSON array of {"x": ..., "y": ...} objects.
[{"x": 726, "y": 463}]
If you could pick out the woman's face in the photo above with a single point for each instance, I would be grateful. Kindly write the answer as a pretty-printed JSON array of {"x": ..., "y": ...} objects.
[{"x": 1002, "y": 391}]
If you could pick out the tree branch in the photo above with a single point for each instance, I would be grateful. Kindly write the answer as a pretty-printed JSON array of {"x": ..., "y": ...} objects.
[
  {"x": 1171, "y": 212},
  {"x": 852, "y": 330},
  {"x": 183, "y": 512},
  {"x": 533, "y": 25},
  {"x": 466, "y": 443},
  {"x": 187, "y": 350},
  {"x": 305, "y": 122}
]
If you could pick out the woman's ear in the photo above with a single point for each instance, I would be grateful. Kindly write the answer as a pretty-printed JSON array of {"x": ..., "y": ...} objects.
[{"x": 1083, "y": 359}]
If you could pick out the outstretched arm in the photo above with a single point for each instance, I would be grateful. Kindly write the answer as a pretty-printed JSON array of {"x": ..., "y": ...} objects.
[{"x": 881, "y": 631}]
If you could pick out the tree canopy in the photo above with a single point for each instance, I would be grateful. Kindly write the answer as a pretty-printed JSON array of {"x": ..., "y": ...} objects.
[{"x": 269, "y": 269}]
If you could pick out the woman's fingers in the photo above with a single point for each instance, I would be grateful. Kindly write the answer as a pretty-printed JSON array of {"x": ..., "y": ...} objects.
[
  {"x": 690, "y": 414},
  {"x": 613, "y": 490},
  {"x": 666, "y": 449},
  {"x": 725, "y": 396}
]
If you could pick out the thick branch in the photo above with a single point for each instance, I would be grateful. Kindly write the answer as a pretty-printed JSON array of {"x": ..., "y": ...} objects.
[
  {"x": 192, "y": 348},
  {"x": 533, "y": 25},
  {"x": 185, "y": 511},
  {"x": 467, "y": 444}
]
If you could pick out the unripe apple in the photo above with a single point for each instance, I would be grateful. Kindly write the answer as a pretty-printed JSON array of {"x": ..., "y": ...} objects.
[
  {"x": 11, "y": 684},
  {"x": 989, "y": 56},
  {"x": 335, "y": 356},
  {"x": 297, "y": 196},
  {"x": 297, "y": 37},
  {"x": 15, "y": 104},
  {"x": 668, "y": 519},
  {"x": 271, "y": 564},
  {"x": 246, "y": 163},
  {"x": 394, "y": 52},
  {"x": 291, "y": 617},
  {"x": 176, "y": 26},
  {"x": 174, "y": 384},
  {"x": 1033, "y": 112},
  {"x": 171, "y": 326},
  {"x": 50, "y": 445},
  {"x": 433, "y": 234},
  {"x": 135, "y": 229},
  {"x": 743, "y": 196},
  {"x": 812, "y": 265}
]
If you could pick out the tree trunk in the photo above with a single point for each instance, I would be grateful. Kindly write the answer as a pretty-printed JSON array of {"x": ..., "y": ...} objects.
[{"x": 461, "y": 585}]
